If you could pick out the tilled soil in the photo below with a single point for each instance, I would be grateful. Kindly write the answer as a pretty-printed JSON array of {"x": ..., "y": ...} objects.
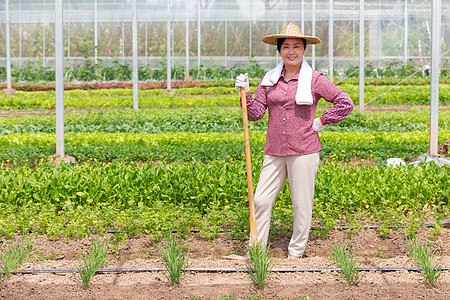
[{"x": 222, "y": 283}]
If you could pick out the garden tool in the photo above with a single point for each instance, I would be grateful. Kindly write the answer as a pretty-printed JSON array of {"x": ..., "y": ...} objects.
[{"x": 253, "y": 232}]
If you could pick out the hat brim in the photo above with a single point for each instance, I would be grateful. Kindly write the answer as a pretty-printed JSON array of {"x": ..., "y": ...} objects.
[{"x": 272, "y": 39}]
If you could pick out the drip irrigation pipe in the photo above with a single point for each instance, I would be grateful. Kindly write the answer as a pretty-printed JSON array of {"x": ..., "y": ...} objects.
[
  {"x": 443, "y": 223},
  {"x": 225, "y": 270}
]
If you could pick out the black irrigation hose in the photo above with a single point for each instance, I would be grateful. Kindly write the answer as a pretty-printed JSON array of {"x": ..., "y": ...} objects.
[
  {"x": 230, "y": 270},
  {"x": 443, "y": 223},
  {"x": 225, "y": 270}
]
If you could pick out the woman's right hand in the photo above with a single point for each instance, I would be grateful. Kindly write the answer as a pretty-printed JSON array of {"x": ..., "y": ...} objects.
[{"x": 242, "y": 81}]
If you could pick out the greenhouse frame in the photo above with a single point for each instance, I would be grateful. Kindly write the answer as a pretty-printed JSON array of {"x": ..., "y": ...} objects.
[
  {"x": 225, "y": 34},
  {"x": 159, "y": 149}
]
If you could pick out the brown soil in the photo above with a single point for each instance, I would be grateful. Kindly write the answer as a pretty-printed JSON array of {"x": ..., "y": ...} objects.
[{"x": 370, "y": 249}]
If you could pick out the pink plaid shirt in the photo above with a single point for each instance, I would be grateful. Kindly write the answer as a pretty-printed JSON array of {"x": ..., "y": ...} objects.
[{"x": 290, "y": 129}]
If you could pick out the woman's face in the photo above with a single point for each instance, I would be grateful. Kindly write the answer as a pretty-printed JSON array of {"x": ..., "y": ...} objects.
[{"x": 292, "y": 51}]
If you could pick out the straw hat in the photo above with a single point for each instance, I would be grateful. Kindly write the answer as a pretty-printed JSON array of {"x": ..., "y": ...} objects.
[{"x": 290, "y": 31}]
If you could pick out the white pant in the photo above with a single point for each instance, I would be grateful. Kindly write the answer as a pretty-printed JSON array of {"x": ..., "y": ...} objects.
[{"x": 302, "y": 172}]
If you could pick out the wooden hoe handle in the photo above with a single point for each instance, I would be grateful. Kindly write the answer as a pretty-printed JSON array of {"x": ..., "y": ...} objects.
[{"x": 253, "y": 232}]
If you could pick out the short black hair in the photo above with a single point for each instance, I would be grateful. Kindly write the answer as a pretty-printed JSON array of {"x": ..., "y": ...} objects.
[{"x": 280, "y": 42}]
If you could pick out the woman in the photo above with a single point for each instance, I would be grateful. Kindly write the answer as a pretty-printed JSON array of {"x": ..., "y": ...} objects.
[{"x": 290, "y": 92}]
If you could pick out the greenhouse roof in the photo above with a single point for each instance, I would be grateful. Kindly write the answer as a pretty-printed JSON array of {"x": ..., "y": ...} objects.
[{"x": 33, "y": 11}]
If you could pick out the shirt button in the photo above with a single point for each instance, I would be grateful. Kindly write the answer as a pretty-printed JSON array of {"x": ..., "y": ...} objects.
[{"x": 284, "y": 119}]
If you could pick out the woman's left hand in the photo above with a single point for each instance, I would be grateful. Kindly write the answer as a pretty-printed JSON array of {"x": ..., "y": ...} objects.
[{"x": 317, "y": 125}]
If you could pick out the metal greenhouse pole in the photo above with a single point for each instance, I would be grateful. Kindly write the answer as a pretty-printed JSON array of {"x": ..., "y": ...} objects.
[
  {"x": 172, "y": 34},
  {"x": 226, "y": 42},
  {"x": 199, "y": 35},
  {"x": 405, "y": 42},
  {"x": 96, "y": 31},
  {"x": 330, "y": 41},
  {"x": 187, "y": 41},
  {"x": 8, "y": 52},
  {"x": 59, "y": 75},
  {"x": 68, "y": 32},
  {"x": 146, "y": 42},
  {"x": 43, "y": 39},
  {"x": 20, "y": 34},
  {"x": 135, "y": 57},
  {"x": 313, "y": 48},
  {"x": 123, "y": 33},
  {"x": 250, "y": 38},
  {"x": 169, "y": 65},
  {"x": 435, "y": 60},
  {"x": 303, "y": 16},
  {"x": 361, "y": 55}
]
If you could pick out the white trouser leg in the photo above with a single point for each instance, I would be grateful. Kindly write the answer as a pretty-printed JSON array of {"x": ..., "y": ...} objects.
[
  {"x": 271, "y": 181},
  {"x": 302, "y": 172}
]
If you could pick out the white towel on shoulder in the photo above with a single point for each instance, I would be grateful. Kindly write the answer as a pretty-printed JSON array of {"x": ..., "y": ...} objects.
[{"x": 303, "y": 95}]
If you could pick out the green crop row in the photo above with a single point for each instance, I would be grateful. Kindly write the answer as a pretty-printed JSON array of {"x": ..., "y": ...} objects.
[
  {"x": 110, "y": 98},
  {"x": 213, "y": 90},
  {"x": 403, "y": 94},
  {"x": 138, "y": 121},
  {"x": 390, "y": 81},
  {"x": 46, "y": 100},
  {"x": 154, "y": 198},
  {"x": 387, "y": 81},
  {"x": 402, "y": 121},
  {"x": 409, "y": 95},
  {"x": 186, "y": 146},
  {"x": 91, "y": 71},
  {"x": 209, "y": 120}
]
